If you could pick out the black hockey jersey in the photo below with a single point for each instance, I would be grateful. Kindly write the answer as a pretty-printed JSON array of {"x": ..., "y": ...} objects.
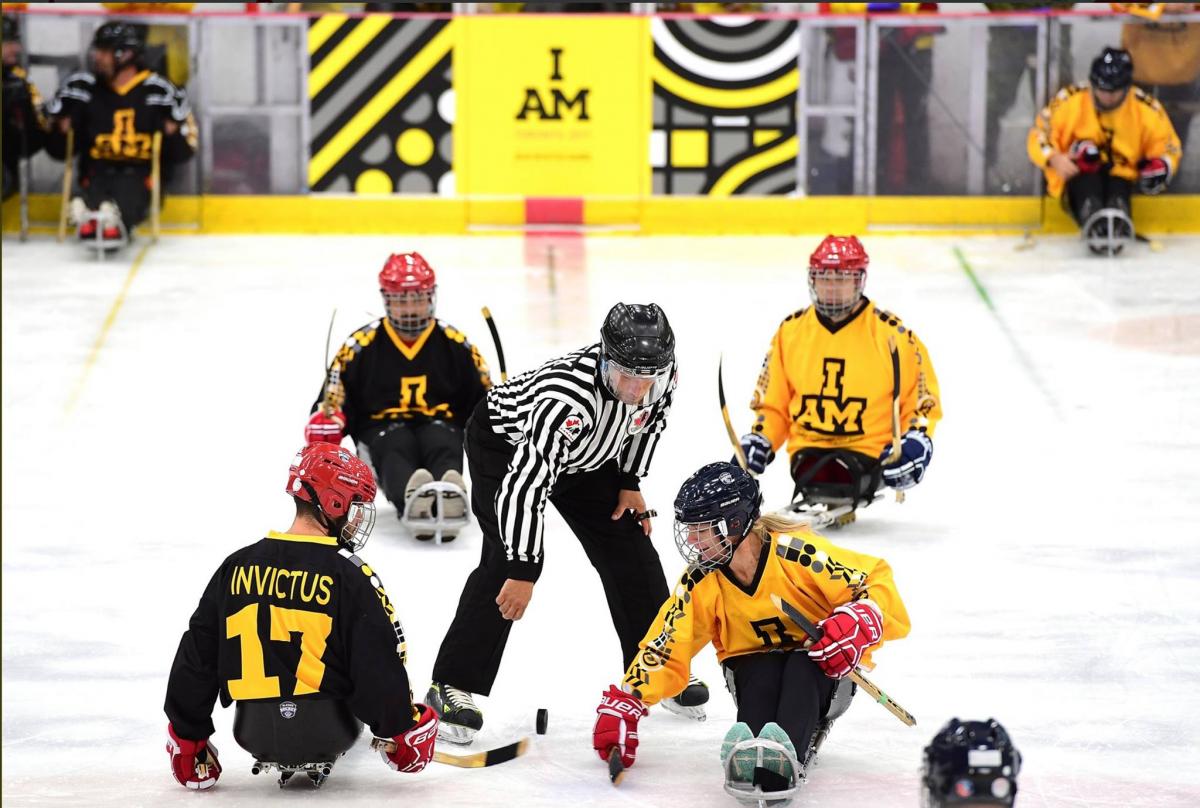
[
  {"x": 295, "y": 617},
  {"x": 377, "y": 377},
  {"x": 116, "y": 126}
]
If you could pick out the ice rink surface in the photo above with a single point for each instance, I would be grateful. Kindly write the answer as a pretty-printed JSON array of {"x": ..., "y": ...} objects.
[{"x": 1049, "y": 561}]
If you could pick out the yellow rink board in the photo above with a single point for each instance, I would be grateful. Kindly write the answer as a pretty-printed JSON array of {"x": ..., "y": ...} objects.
[{"x": 659, "y": 215}]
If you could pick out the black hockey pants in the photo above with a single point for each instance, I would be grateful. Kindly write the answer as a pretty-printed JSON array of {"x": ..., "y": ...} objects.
[
  {"x": 1087, "y": 193},
  {"x": 398, "y": 448},
  {"x": 622, "y": 555},
  {"x": 128, "y": 187},
  {"x": 781, "y": 686}
]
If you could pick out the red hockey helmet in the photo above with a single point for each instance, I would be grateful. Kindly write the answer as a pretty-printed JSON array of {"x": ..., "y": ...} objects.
[
  {"x": 837, "y": 274},
  {"x": 339, "y": 484},
  {"x": 409, "y": 289}
]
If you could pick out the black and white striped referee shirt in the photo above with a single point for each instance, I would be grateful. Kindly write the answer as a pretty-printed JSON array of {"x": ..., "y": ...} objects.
[{"x": 562, "y": 419}]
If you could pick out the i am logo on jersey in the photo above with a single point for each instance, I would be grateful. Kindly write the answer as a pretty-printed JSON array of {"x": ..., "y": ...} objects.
[
  {"x": 832, "y": 412},
  {"x": 571, "y": 427}
]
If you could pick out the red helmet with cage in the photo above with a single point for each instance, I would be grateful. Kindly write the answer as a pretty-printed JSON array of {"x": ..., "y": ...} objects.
[
  {"x": 339, "y": 484},
  {"x": 837, "y": 274},
  {"x": 409, "y": 288}
]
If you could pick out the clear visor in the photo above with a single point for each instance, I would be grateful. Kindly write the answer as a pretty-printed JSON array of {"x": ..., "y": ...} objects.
[
  {"x": 360, "y": 519},
  {"x": 704, "y": 544},
  {"x": 835, "y": 292},
  {"x": 632, "y": 387},
  {"x": 410, "y": 312}
]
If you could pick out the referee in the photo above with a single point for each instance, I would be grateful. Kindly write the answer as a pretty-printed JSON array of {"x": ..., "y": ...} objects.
[{"x": 579, "y": 432}]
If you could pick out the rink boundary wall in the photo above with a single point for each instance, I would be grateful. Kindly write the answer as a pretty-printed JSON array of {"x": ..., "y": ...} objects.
[{"x": 333, "y": 214}]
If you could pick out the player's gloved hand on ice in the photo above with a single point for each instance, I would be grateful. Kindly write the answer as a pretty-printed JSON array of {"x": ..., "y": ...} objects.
[
  {"x": 414, "y": 746},
  {"x": 1153, "y": 175},
  {"x": 758, "y": 451},
  {"x": 194, "y": 763},
  {"x": 616, "y": 725},
  {"x": 850, "y": 630},
  {"x": 1086, "y": 155},
  {"x": 916, "y": 450},
  {"x": 325, "y": 428}
]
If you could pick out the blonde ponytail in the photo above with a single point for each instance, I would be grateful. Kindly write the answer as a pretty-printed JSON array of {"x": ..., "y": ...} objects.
[{"x": 777, "y": 523}]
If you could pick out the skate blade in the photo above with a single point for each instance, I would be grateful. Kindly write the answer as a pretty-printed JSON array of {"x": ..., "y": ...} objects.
[
  {"x": 692, "y": 713},
  {"x": 456, "y": 734}
]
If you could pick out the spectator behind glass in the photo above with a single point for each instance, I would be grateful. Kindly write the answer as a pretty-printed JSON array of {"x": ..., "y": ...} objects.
[{"x": 1166, "y": 60}]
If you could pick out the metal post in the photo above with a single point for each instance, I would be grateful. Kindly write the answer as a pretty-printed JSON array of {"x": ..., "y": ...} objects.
[
  {"x": 806, "y": 76},
  {"x": 1041, "y": 97},
  {"x": 977, "y": 98},
  {"x": 872, "y": 108},
  {"x": 860, "y": 106}
]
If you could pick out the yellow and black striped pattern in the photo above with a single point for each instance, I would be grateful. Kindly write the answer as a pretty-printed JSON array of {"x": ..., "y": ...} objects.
[
  {"x": 724, "y": 106},
  {"x": 380, "y": 104}
]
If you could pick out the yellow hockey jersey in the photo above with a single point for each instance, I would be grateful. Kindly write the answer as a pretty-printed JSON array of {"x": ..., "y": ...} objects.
[
  {"x": 1138, "y": 129},
  {"x": 802, "y": 567},
  {"x": 830, "y": 385}
]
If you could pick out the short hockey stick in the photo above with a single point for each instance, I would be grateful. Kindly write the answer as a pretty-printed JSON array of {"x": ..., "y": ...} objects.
[
  {"x": 856, "y": 675},
  {"x": 155, "y": 187},
  {"x": 616, "y": 769},
  {"x": 68, "y": 172},
  {"x": 327, "y": 406},
  {"x": 491, "y": 324},
  {"x": 474, "y": 760},
  {"x": 896, "y": 451},
  {"x": 737, "y": 445}
]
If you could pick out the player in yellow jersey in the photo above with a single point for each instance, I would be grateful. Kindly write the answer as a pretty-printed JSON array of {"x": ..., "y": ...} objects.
[
  {"x": 1094, "y": 140},
  {"x": 826, "y": 388},
  {"x": 787, "y": 693}
]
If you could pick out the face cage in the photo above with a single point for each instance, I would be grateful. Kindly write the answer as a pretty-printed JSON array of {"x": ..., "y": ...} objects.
[
  {"x": 618, "y": 376},
  {"x": 693, "y": 553},
  {"x": 360, "y": 519},
  {"x": 842, "y": 305},
  {"x": 410, "y": 324}
]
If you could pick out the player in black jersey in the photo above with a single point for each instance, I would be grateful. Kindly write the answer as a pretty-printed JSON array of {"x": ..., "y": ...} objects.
[
  {"x": 24, "y": 123},
  {"x": 403, "y": 387},
  {"x": 114, "y": 111},
  {"x": 299, "y": 631}
]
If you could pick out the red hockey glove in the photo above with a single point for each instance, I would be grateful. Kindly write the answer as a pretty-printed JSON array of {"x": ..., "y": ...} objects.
[
  {"x": 616, "y": 724},
  {"x": 194, "y": 763},
  {"x": 1153, "y": 175},
  {"x": 325, "y": 428},
  {"x": 849, "y": 631},
  {"x": 414, "y": 746},
  {"x": 1086, "y": 155}
]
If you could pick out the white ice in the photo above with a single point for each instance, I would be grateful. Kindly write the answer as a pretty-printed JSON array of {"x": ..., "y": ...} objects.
[{"x": 1046, "y": 559}]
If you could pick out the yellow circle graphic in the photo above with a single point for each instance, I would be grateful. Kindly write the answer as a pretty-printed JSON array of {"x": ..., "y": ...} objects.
[
  {"x": 414, "y": 147},
  {"x": 373, "y": 181}
]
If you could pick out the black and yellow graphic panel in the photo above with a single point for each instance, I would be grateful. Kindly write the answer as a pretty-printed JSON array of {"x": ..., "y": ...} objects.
[
  {"x": 724, "y": 118},
  {"x": 381, "y": 104}
]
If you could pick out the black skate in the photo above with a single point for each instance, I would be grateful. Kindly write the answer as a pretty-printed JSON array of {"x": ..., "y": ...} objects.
[
  {"x": 459, "y": 720},
  {"x": 690, "y": 703}
]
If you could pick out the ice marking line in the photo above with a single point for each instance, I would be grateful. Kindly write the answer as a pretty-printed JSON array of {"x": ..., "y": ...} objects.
[
  {"x": 104, "y": 329},
  {"x": 1022, "y": 357},
  {"x": 966, "y": 267}
]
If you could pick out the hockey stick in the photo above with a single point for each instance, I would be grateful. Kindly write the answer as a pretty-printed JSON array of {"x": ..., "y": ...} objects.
[
  {"x": 491, "y": 324},
  {"x": 326, "y": 404},
  {"x": 737, "y": 445},
  {"x": 896, "y": 451},
  {"x": 1154, "y": 244},
  {"x": 616, "y": 769},
  {"x": 68, "y": 171},
  {"x": 475, "y": 760},
  {"x": 814, "y": 633},
  {"x": 155, "y": 186}
]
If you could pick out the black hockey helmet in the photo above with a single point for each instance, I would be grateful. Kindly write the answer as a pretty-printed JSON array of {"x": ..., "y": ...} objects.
[
  {"x": 637, "y": 353},
  {"x": 638, "y": 337},
  {"x": 12, "y": 31},
  {"x": 1112, "y": 70},
  {"x": 124, "y": 39},
  {"x": 970, "y": 762},
  {"x": 714, "y": 510}
]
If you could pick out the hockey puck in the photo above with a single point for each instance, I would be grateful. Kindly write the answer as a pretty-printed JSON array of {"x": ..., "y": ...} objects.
[{"x": 543, "y": 720}]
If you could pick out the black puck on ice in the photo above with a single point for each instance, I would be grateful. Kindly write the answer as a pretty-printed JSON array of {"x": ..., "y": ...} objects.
[{"x": 543, "y": 719}]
